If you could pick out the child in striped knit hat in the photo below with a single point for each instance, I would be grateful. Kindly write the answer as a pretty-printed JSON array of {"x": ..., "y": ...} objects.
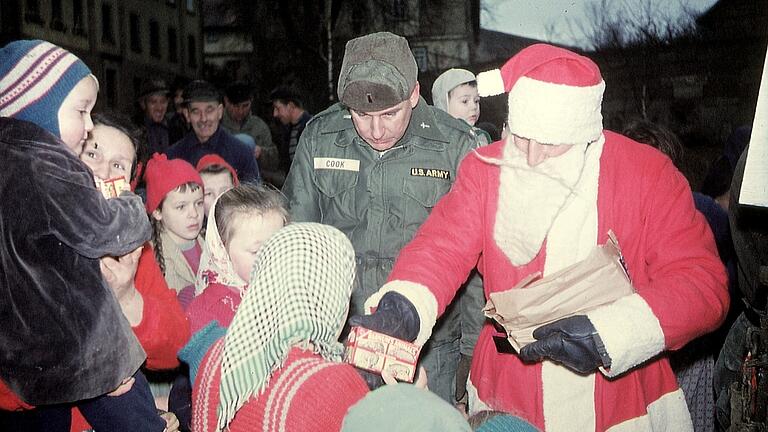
[
  {"x": 278, "y": 367},
  {"x": 64, "y": 339}
]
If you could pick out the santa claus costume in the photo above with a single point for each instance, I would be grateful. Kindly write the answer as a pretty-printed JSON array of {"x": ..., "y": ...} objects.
[{"x": 518, "y": 219}]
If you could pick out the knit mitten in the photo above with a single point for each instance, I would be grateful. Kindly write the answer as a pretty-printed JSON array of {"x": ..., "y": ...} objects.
[{"x": 194, "y": 351}]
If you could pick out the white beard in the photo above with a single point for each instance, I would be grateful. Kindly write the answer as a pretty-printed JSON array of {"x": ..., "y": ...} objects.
[{"x": 530, "y": 199}]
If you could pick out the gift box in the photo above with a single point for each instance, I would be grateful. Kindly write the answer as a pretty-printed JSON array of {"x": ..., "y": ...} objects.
[
  {"x": 376, "y": 352},
  {"x": 113, "y": 187}
]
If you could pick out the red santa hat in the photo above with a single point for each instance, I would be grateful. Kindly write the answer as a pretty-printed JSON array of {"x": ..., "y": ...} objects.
[{"x": 555, "y": 95}]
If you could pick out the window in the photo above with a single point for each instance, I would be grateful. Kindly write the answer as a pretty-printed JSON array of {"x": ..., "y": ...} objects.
[
  {"x": 78, "y": 18},
  {"x": 57, "y": 20},
  {"x": 110, "y": 84},
  {"x": 190, "y": 6},
  {"x": 422, "y": 61},
  {"x": 399, "y": 11},
  {"x": 154, "y": 38},
  {"x": 191, "y": 51},
  {"x": 32, "y": 12},
  {"x": 173, "y": 45},
  {"x": 134, "y": 28},
  {"x": 107, "y": 30}
]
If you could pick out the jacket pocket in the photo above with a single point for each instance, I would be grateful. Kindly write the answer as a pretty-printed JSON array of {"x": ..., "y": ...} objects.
[
  {"x": 337, "y": 194},
  {"x": 421, "y": 196}
]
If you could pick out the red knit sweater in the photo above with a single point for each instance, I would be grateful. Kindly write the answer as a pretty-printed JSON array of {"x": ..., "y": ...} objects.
[{"x": 308, "y": 393}]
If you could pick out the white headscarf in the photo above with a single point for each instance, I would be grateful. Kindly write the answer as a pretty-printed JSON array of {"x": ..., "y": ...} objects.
[{"x": 215, "y": 264}]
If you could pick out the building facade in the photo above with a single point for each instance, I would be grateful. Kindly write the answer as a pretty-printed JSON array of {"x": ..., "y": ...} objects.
[{"x": 122, "y": 41}]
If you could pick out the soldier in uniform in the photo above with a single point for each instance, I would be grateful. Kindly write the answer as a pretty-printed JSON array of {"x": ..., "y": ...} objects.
[{"x": 374, "y": 166}]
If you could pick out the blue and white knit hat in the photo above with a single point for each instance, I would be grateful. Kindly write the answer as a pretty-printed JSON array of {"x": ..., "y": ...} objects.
[{"x": 35, "y": 78}]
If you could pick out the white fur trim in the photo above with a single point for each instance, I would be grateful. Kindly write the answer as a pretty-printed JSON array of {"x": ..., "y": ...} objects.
[
  {"x": 568, "y": 399},
  {"x": 630, "y": 332},
  {"x": 490, "y": 83},
  {"x": 667, "y": 413},
  {"x": 574, "y": 232},
  {"x": 474, "y": 403},
  {"x": 421, "y": 298},
  {"x": 555, "y": 113}
]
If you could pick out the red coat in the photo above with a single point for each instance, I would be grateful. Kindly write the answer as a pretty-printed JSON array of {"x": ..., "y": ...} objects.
[
  {"x": 671, "y": 257},
  {"x": 163, "y": 329}
]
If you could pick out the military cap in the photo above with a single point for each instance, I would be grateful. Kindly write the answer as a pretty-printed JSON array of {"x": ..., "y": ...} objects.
[{"x": 378, "y": 71}]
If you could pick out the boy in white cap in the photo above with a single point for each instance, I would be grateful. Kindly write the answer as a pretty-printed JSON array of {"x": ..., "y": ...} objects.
[{"x": 540, "y": 201}]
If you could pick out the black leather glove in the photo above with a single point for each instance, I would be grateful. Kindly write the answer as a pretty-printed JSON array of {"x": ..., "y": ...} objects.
[
  {"x": 395, "y": 316},
  {"x": 571, "y": 341}
]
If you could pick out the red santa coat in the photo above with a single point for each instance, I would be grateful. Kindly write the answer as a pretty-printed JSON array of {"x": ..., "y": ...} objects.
[{"x": 672, "y": 260}]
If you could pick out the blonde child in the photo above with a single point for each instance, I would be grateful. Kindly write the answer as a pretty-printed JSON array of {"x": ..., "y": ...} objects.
[
  {"x": 242, "y": 219},
  {"x": 218, "y": 177},
  {"x": 175, "y": 206}
]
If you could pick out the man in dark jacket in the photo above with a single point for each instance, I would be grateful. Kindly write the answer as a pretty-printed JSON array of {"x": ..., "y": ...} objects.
[{"x": 204, "y": 110}]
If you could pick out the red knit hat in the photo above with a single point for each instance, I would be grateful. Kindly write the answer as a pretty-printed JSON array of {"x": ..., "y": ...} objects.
[
  {"x": 165, "y": 175},
  {"x": 214, "y": 159},
  {"x": 555, "y": 95}
]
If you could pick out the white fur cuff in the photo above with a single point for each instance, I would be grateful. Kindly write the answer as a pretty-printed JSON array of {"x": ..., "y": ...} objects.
[
  {"x": 555, "y": 113},
  {"x": 630, "y": 332},
  {"x": 490, "y": 83},
  {"x": 421, "y": 298}
]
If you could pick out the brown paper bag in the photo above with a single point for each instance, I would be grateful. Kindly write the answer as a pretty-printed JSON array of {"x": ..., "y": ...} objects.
[{"x": 599, "y": 279}]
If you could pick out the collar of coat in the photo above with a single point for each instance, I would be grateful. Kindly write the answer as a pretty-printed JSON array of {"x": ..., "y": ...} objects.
[{"x": 423, "y": 124}]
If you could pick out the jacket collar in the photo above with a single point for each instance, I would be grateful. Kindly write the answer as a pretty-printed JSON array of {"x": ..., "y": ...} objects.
[{"x": 423, "y": 124}]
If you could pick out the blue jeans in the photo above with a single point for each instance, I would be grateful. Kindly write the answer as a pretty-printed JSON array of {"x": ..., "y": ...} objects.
[
  {"x": 132, "y": 411},
  {"x": 440, "y": 361}
]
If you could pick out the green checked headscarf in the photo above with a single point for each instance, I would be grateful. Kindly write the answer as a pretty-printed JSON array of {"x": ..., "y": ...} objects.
[{"x": 298, "y": 295}]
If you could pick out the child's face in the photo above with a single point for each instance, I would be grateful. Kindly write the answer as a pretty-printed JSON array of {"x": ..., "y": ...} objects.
[
  {"x": 75, "y": 114},
  {"x": 215, "y": 185},
  {"x": 182, "y": 214},
  {"x": 464, "y": 103},
  {"x": 249, "y": 232},
  {"x": 108, "y": 153}
]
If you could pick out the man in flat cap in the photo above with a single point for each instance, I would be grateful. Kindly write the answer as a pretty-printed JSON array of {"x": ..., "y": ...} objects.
[
  {"x": 204, "y": 111},
  {"x": 374, "y": 166}
]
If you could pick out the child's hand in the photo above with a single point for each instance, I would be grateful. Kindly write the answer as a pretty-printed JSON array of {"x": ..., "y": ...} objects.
[
  {"x": 420, "y": 382},
  {"x": 123, "y": 388},
  {"x": 119, "y": 272},
  {"x": 171, "y": 422}
]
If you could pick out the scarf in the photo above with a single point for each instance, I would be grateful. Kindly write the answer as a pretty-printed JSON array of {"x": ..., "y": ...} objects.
[
  {"x": 298, "y": 295},
  {"x": 215, "y": 265}
]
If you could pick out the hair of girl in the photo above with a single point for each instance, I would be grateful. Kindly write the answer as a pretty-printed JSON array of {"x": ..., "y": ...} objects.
[
  {"x": 157, "y": 225},
  {"x": 123, "y": 124},
  {"x": 246, "y": 199}
]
